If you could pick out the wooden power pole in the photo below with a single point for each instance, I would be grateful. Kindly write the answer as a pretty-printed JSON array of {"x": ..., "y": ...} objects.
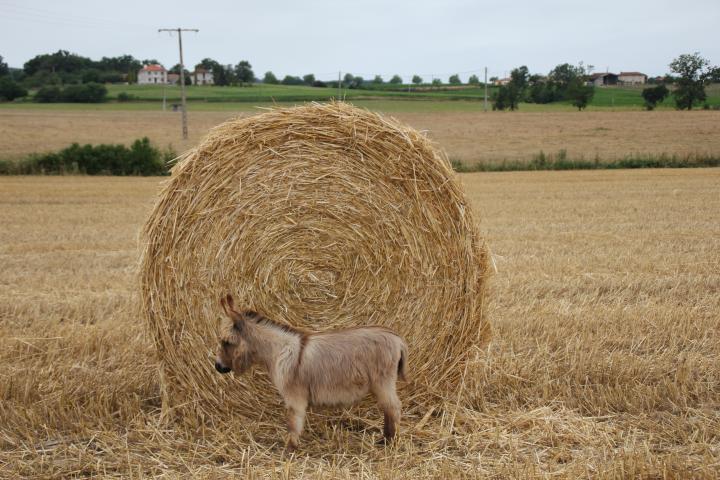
[{"x": 182, "y": 75}]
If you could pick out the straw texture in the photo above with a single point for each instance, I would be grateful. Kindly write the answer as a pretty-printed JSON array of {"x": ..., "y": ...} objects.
[{"x": 319, "y": 216}]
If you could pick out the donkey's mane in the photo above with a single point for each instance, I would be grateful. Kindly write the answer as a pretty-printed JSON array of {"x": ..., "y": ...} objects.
[{"x": 263, "y": 320}]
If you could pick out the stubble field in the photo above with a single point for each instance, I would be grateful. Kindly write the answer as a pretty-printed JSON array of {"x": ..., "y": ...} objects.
[
  {"x": 605, "y": 360},
  {"x": 467, "y": 136}
]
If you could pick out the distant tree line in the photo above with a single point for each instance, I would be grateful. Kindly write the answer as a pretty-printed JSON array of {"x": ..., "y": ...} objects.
[
  {"x": 67, "y": 77},
  {"x": 565, "y": 82}
]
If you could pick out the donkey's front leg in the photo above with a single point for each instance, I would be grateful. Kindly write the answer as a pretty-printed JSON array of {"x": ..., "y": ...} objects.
[{"x": 295, "y": 421}]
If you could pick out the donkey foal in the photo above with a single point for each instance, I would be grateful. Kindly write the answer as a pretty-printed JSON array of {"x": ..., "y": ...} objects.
[{"x": 338, "y": 367}]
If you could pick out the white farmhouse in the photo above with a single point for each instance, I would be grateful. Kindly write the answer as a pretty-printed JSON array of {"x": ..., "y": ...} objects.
[
  {"x": 202, "y": 77},
  {"x": 152, "y": 74}
]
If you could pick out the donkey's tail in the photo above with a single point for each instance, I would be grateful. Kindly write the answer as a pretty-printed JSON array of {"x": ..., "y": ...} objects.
[{"x": 402, "y": 363}]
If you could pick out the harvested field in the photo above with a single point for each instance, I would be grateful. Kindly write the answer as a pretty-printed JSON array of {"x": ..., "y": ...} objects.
[
  {"x": 466, "y": 136},
  {"x": 605, "y": 359}
]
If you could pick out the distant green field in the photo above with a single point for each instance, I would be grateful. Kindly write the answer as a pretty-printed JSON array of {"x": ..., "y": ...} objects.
[{"x": 281, "y": 93}]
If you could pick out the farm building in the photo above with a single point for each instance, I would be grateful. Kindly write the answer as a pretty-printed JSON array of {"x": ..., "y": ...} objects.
[
  {"x": 202, "y": 77},
  {"x": 152, "y": 74},
  {"x": 632, "y": 78},
  {"x": 603, "y": 79}
]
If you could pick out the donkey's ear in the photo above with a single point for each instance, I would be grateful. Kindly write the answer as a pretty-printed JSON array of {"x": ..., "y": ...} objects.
[
  {"x": 230, "y": 302},
  {"x": 227, "y": 306}
]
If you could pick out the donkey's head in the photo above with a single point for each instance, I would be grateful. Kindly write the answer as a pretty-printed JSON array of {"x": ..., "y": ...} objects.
[{"x": 234, "y": 353}]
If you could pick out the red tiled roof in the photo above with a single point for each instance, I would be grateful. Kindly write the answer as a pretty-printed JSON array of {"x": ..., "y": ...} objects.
[{"x": 154, "y": 68}]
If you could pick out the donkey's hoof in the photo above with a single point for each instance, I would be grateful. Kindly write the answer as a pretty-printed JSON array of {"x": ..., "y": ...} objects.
[{"x": 384, "y": 441}]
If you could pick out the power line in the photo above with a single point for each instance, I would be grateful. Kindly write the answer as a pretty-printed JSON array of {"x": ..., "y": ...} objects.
[
  {"x": 182, "y": 74},
  {"x": 28, "y": 14}
]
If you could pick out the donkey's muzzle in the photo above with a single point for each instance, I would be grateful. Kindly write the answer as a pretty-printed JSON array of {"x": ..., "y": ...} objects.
[{"x": 222, "y": 369}]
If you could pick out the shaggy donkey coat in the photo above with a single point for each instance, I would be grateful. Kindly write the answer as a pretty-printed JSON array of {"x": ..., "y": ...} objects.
[{"x": 338, "y": 367}]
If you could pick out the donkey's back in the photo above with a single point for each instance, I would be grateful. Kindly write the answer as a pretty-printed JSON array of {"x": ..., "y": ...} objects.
[{"x": 342, "y": 366}]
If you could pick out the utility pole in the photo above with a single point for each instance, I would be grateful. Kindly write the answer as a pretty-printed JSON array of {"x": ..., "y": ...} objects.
[
  {"x": 485, "y": 103},
  {"x": 182, "y": 75},
  {"x": 339, "y": 86}
]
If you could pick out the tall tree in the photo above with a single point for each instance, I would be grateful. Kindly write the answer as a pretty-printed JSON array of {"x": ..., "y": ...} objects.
[
  {"x": 270, "y": 78},
  {"x": 309, "y": 79},
  {"x": 694, "y": 73},
  {"x": 417, "y": 79},
  {"x": 378, "y": 80},
  {"x": 4, "y": 70},
  {"x": 579, "y": 93},
  {"x": 654, "y": 95},
  {"x": 454, "y": 79},
  {"x": 473, "y": 80},
  {"x": 510, "y": 95},
  {"x": 243, "y": 72},
  {"x": 60, "y": 61},
  {"x": 563, "y": 75},
  {"x": 396, "y": 80},
  {"x": 10, "y": 90}
]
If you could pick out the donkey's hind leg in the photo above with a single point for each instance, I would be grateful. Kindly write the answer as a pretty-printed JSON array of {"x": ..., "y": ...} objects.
[{"x": 389, "y": 403}]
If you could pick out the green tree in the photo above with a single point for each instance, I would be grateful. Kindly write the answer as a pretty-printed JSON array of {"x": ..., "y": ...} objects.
[
  {"x": 694, "y": 73},
  {"x": 270, "y": 78},
  {"x": 519, "y": 77},
  {"x": 436, "y": 82},
  {"x": 417, "y": 79},
  {"x": 579, "y": 93},
  {"x": 654, "y": 95},
  {"x": 243, "y": 72},
  {"x": 309, "y": 79},
  {"x": 473, "y": 80},
  {"x": 396, "y": 80},
  {"x": 377, "y": 80},
  {"x": 454, "y": 79},
  {"x": 502, "y": 98},
  {"x": 4, "y": 70},
  {"x": 291, "y": 80},
  {"x": 61, "y": 61},
  {"x": 123, "y": 68},
  {"x": 48, "y": 94},
  {"x": 348, "y": 79},
  {"x": 10, "y": 89},
  {"x": 510, "y": 95},
  {"x": 539, "y": 90},
  {"x": 87, "y": 93},
  {"x": 715, "y": 75},
  {"x": 562, "y": 76}
]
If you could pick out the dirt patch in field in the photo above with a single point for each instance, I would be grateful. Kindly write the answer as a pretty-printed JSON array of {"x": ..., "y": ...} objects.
[{"x": 469, "y": 137}]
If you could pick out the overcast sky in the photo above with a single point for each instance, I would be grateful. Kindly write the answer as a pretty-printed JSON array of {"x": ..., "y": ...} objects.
[{"x": 430, "y": 38}]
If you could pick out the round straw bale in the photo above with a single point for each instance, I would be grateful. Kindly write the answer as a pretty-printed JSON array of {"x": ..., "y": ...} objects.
[{"x": 319, "y": 216}]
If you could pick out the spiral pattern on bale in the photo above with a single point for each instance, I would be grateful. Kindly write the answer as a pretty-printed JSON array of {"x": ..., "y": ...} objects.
[{"x": 318, "y": 216}]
